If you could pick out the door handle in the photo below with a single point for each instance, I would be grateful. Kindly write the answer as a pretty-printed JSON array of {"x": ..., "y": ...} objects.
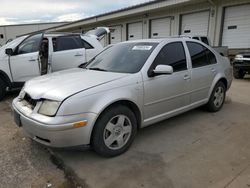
[
  {"x": 77, "y": 55},
  {"x": 186, "y": 77},
  {"x": 32, "y": 60}
]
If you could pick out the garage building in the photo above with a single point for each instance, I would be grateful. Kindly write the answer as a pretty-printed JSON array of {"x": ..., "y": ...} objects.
[
  {"x": 8, "y": 32},
  {"x": 225, "y": 22}
]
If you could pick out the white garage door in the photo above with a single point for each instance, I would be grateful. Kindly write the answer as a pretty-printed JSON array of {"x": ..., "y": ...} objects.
[
  {"x": 135, "y": 31},
  {"x": 236, "y": 30},
  {"x": 160, "y": 28},
  {"x": 115, "y": 34},
  {"x": 195, "y": 23}
]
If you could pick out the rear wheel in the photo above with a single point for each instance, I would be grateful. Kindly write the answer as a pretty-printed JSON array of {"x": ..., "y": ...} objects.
[
  {"x": 114, "y": 131},
  {"x": 217, "y": 97},
  {"x": 3, "y": 87},
  {"x": 238, "y": 73}
]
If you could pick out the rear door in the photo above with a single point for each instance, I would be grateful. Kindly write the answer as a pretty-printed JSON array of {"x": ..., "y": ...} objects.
[
  {"x": 24, "y": 63},
  {"x": 204, "y": 69},
  {"x": 68, "y": 52}
]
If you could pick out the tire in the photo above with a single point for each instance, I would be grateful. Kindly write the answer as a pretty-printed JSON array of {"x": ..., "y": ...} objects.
[
  {"x": 3, "y": 87},
  {"x": 114, "y": 131},
  {"x": 238, "y": 73},
  {"x": 217, "y": 98}
]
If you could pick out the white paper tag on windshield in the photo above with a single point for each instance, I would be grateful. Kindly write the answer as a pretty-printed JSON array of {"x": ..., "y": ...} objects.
[{"x": 142, "y": 47}]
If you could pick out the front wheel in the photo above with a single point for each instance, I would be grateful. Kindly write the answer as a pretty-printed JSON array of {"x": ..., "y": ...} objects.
[
  {"x": 217, "y": 97},
  {"x": 114, "y": 131}
]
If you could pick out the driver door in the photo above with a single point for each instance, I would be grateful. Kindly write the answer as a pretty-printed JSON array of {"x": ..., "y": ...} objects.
[
  {"x": 24, "y": 63},
  {"x": 167, "y": 94}
]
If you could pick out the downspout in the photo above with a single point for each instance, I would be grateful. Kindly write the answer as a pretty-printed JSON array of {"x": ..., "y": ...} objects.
[{"x": 211, "y": 2}]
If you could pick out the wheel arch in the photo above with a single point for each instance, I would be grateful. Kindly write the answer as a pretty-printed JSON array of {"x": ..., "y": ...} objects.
[
  {"x": 219, "y": 78},
  {"x": 131, "y": 105},
  {"x": 5, "y": 78}
]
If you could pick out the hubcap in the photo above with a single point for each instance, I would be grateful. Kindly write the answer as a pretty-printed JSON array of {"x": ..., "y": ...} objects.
[
  {"x": 117, "y": 132},
  {"x": 219, "y": 96}
]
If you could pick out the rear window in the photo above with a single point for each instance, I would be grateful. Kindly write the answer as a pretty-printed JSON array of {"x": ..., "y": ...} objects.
[
  {"x": 67, "y": 43},
  {"x": 200, "y": 55}
]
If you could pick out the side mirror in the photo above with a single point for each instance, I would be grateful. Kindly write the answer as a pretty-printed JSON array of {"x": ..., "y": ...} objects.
[
  {"x": 9, "y": 51},
  {"x": 163, "y": 69}
]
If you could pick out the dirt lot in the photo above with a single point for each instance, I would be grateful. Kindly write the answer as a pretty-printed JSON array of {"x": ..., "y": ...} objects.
[{"x": 195, "y": 149}]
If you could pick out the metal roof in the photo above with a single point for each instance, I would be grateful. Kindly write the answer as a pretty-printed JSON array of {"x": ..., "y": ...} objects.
[{"x": 151, "y": 2}]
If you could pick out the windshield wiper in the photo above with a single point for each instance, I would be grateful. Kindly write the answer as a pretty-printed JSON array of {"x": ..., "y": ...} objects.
[{"x": 97, "y": 69}]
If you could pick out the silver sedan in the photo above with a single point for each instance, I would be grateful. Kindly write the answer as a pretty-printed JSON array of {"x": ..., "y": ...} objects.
[{"x": 128, "y": 86}]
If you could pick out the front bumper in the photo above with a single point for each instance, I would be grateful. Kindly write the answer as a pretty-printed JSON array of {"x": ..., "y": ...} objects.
[
  {"x": 242, "y": 64},
  {"x": 55, "y": 131}
]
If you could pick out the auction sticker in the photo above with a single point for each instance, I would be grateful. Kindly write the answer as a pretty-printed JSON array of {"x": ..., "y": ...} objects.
[{"x": 142, "y": 47}]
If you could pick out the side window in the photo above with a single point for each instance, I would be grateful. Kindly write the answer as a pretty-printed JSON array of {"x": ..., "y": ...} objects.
[
  {"x": 200, "y": 55},
  {"x": 87, "y": 45},
  {"x": 172, "y": 54},
  {"x": 30, "y": 44},
  {"x": 67, "y": 43},
  {"x": 211, "y": 57}
]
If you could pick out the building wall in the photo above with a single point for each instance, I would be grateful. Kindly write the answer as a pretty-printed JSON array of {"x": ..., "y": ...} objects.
[
  {"x": 145, "y": 14},
  {"x": 12, "y": 31}
]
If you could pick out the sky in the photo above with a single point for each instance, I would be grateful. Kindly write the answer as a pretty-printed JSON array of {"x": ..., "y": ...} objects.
[{"x": 35, "y": 11}]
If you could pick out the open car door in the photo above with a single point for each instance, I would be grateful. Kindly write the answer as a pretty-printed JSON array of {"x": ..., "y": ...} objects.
[{"x": 25, "y": 61}]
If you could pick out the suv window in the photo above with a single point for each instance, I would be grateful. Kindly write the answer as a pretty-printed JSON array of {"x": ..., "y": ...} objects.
[
  {"x": 67, "y": 43},
  {"x": 200, "y": 55},
  {"x": 172, "y": 54},
  {"x": 87, "y": 45},
  {"x": 30, "y": 44}
]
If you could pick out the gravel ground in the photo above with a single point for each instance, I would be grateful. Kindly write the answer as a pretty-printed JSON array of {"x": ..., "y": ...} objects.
[{"x": 23, "y": 162}]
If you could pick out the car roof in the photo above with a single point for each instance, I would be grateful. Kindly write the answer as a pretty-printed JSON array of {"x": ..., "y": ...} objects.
[{"x": 159, "y": 40}]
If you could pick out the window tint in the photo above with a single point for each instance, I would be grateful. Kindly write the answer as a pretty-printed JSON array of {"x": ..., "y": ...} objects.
[
  {"x": 211, "y": 57},
  {"x": 67, "y": 43},
  {"x": 87, "y": 45},
  {"x": 200, "y": 55},
  {"x": 30, "y": 45},
  {"x": 172, "y": 54}
]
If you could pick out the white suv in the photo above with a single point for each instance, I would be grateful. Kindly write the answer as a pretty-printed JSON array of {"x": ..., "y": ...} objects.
[{"x": 29, "y": 56}]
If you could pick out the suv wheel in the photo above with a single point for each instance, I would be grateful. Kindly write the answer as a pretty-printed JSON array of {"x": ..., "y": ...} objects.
[
  {"x": 238, "y": 73},
  {"x": 3, "y": 87},
  {"x": 217, "y": 98},
  {"x": 114, "y": 131}
]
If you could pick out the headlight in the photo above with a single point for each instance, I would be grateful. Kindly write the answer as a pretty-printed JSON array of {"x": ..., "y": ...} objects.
[
  {"x": 49, "y": 108},
  {"x": 239, "y": 57}
]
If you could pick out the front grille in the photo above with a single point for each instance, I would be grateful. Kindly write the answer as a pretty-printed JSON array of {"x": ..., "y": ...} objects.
[
  {"x": 31, "y": 102},
  {"x": 246, "y": 56}
]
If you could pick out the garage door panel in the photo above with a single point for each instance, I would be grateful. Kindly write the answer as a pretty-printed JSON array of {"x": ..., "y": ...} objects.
[
  {"x": 115, "y": 34},
  {"x": 160, "y": 28},
  {"x": 195, "y": 23},
  {"x": 135, "y": 31},
  {"x": 236, "y": 29}
]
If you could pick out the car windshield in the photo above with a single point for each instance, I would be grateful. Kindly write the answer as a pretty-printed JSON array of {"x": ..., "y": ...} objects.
[{"x": 123, "y": 57}]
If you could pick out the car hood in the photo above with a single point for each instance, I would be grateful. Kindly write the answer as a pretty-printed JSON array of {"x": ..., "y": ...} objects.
[{"x": 60, "y": 85}]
